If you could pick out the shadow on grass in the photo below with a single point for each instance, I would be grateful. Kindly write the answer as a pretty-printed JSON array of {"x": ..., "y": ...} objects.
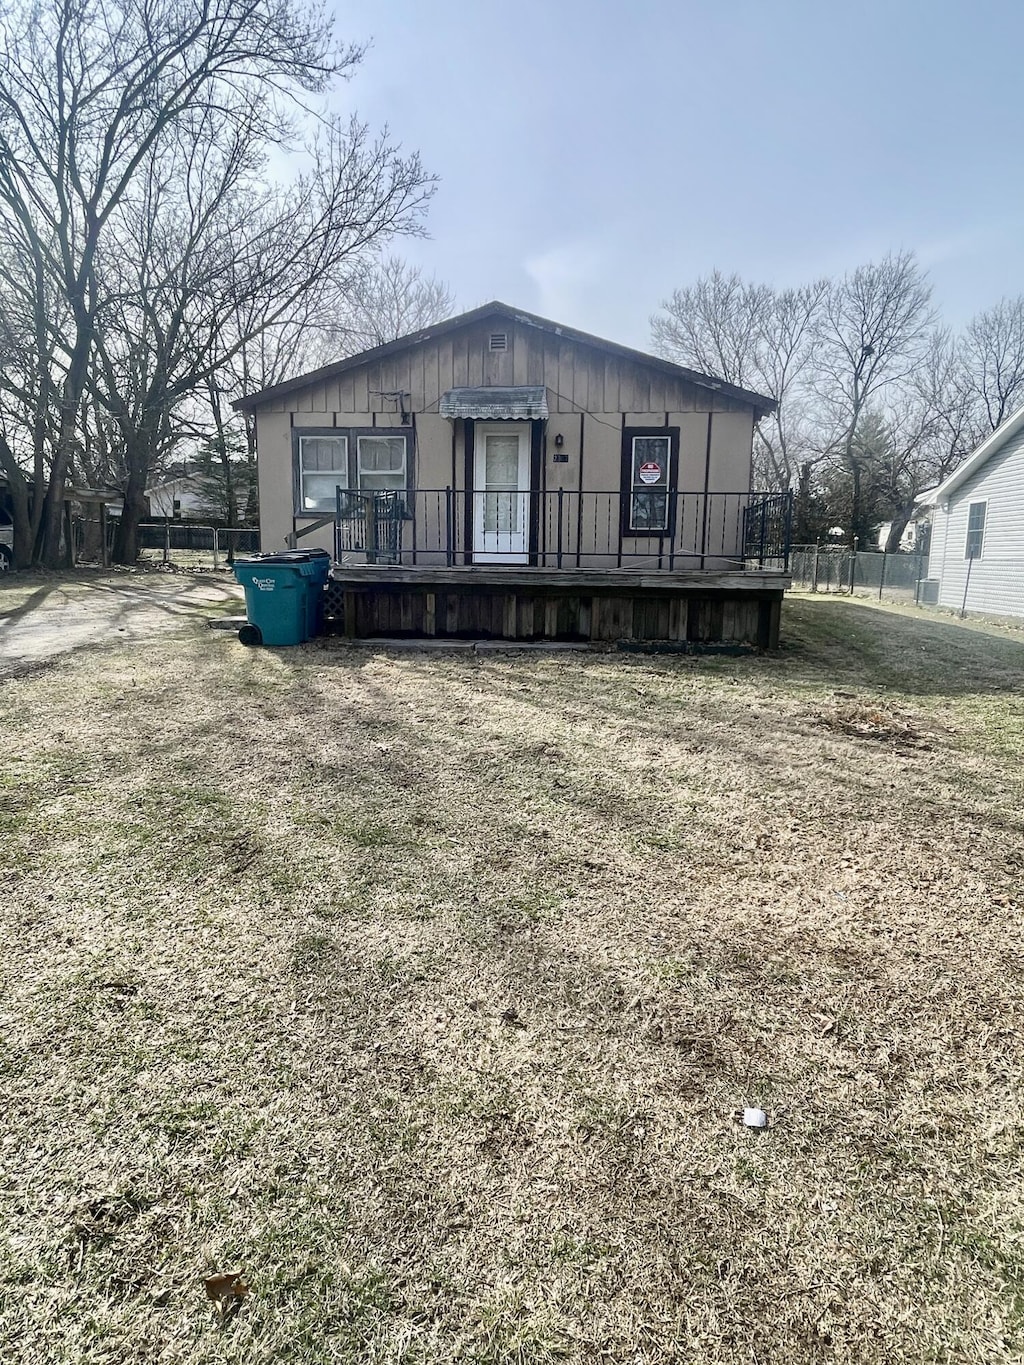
[
  {"x": 827, "y": 644},
  {"x": 30, "y": 604},
  {"x": 842, "y": 643}
]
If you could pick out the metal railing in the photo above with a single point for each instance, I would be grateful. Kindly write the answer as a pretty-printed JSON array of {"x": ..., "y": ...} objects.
[{"x": 565, "y": 528}]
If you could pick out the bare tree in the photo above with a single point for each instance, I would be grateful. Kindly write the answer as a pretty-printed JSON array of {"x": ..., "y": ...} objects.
[
  {"x": 874, "y": 328},
  {"x": 993, "y": 357},
  {"x": 207, "y": 242},
  {"x": 716, "y": 325},
  {"x": 89, "y": 94},
  {"x": 387, "y": 300},
  {"x": 759, "y": 338}
]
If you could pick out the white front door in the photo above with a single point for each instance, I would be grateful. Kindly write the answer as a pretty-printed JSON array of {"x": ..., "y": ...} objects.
[{"x": 501, "y": 493}]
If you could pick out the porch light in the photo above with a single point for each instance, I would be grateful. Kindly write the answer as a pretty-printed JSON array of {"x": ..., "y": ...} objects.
[{"x": 559, "y": 441}]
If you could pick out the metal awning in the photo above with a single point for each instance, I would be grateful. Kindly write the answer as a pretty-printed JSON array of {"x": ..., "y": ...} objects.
[{"x": 496, "y": 405}]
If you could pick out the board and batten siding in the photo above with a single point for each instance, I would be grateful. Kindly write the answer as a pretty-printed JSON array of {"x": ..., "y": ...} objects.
[
  {"x": 591, "y": 396},
  {"x": 997, "y": 577}
]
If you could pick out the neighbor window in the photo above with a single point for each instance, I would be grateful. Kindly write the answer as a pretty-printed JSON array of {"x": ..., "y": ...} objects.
[
  {"x": 648, "y": 476},
  {"x": 975, "y": 530},
  {"x": 323, "y": 468},
  {"x": 352, "y": 459}
]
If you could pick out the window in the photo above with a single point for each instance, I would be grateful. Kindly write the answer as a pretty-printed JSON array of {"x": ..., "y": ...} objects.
[
  {"x": 323, "y": 468},
  {"x": 975, "y": 530},
  {"x": 356, "y": 459},
  {"x": 381, "y": 462},
  {"x": 649, "y": 459}
]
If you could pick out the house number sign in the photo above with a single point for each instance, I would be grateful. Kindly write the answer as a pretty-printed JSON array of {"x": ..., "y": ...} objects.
[{"x": 650, "y": 472}]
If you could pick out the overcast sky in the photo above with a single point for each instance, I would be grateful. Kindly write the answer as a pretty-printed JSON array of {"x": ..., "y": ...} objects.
[{"x": 595, "y": 155}]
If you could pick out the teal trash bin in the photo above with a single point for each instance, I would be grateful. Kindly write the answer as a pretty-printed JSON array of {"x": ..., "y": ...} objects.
[
  {"x": 278, "y": 598},
  {"x": 315, "y": 598}
]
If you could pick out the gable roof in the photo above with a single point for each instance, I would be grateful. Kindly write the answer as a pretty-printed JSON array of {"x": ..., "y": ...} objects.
[
  {"x": 758, "y": 401},
  {"x": 989, "y": 447}
]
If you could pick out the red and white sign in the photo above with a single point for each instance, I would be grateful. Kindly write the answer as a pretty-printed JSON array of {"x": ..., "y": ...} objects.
[{"x": 650, "y": 472}]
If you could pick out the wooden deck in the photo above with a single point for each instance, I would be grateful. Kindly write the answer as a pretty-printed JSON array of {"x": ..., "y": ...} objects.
[{"x": 522, "y": 603}]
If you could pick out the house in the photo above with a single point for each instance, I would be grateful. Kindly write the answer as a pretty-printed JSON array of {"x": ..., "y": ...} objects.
[
  {"x": 976, "y": 552},
  {"x": 502, "y": 474},
  {"x": 182, "y": 497}
]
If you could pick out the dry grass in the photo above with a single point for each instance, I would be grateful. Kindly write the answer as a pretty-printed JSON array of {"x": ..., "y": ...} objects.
[{"x": 421, "y": 990}]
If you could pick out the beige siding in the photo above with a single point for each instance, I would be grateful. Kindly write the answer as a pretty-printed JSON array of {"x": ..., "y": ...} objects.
[
  {"x": 591, "y": 395},
  {"x": 731, "y": 439},
  {"x": 274, "y": 444}
]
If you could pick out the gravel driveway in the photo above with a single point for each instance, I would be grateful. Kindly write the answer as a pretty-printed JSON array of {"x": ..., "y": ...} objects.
[{"x": 42, "y": 618}]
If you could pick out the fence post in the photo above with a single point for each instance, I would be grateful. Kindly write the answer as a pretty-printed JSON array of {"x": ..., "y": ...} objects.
[
  {"x": 449, "y": 552},
  {"x": 560, "y": 495},
  {"x": 216, "y": 564},
  {"x": 814, "y": 572},
  {"x": 881, "y": 576},
  {"x": 167, "y": 541},
  {"x": 853, "y": 564},
  {"x": 967, "y": 584}
]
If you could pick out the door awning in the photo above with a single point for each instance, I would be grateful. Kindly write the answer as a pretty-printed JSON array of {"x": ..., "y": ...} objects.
[{"x": 496, "y": 405}]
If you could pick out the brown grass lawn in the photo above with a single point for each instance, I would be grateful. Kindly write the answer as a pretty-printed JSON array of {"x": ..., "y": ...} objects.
[{"x": 421, "y": 988}]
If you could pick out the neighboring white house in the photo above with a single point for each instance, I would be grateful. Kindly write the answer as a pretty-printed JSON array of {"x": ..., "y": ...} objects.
[
  {"x": 977, "y": 543},
  {"x": 181, "y": 497}
]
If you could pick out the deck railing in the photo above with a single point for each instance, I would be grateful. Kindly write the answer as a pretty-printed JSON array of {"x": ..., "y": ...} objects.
[{"x": 565, "y": 528}]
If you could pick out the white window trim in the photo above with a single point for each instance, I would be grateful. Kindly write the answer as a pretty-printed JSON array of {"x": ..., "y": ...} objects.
[{"x": 976, "y": 502}]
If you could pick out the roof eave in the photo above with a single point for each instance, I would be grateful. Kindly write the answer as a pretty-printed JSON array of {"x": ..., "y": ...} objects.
[{"x": 991, "y": 444}]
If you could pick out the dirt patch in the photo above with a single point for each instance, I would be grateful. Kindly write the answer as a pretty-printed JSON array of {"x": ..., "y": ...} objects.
[
  {"x": 43, "y": 618},
  {"x": 874, "y": 721}
]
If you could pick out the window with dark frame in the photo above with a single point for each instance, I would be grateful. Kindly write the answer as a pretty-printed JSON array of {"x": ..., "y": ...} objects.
[
  {"x": 975, "y": 530},
  {"x": 323, "y": 467},
  {"x": 351, "y": 459},
  {"x": 649, "y": 460}
]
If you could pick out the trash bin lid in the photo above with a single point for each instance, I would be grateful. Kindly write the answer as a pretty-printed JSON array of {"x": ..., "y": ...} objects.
[{"x": 291, "y": 557}]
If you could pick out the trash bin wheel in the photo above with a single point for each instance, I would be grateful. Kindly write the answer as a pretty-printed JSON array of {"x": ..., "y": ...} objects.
[{"x": 250, "y": 635}]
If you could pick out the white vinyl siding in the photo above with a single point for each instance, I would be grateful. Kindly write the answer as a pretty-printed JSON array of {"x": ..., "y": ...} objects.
[{"x": 997, "y": 577}]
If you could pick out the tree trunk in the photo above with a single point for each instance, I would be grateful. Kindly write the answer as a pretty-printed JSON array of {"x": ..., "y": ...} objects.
[
  {"x": 137, "y": 458},
  {"x": 802, "y": 508},
  {"x": 49, "y": 553},
  {"x": 21, "y": 517},
  {"x": 857, "y": 535},
  {"x": 126, "y": 539},
  {"x": 899, "y": 523}
]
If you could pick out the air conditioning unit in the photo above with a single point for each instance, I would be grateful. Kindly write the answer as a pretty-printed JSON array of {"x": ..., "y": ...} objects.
[{"x": 928, "y": 592}]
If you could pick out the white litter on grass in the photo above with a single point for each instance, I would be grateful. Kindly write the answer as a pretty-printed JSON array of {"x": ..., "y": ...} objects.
[{"x": 752, "y": 1118}]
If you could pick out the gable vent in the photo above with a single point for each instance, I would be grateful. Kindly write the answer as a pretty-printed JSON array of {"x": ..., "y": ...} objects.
[{"x": 499, "y": 341}]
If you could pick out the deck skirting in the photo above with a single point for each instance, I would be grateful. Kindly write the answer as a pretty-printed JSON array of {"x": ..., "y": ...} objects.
[{"x": 500, "y": 602}]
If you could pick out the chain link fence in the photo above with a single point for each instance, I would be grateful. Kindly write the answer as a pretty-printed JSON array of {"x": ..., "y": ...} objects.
[
  {"x": 196, "y": 547},
  {"x": 839, "y": 568}
]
